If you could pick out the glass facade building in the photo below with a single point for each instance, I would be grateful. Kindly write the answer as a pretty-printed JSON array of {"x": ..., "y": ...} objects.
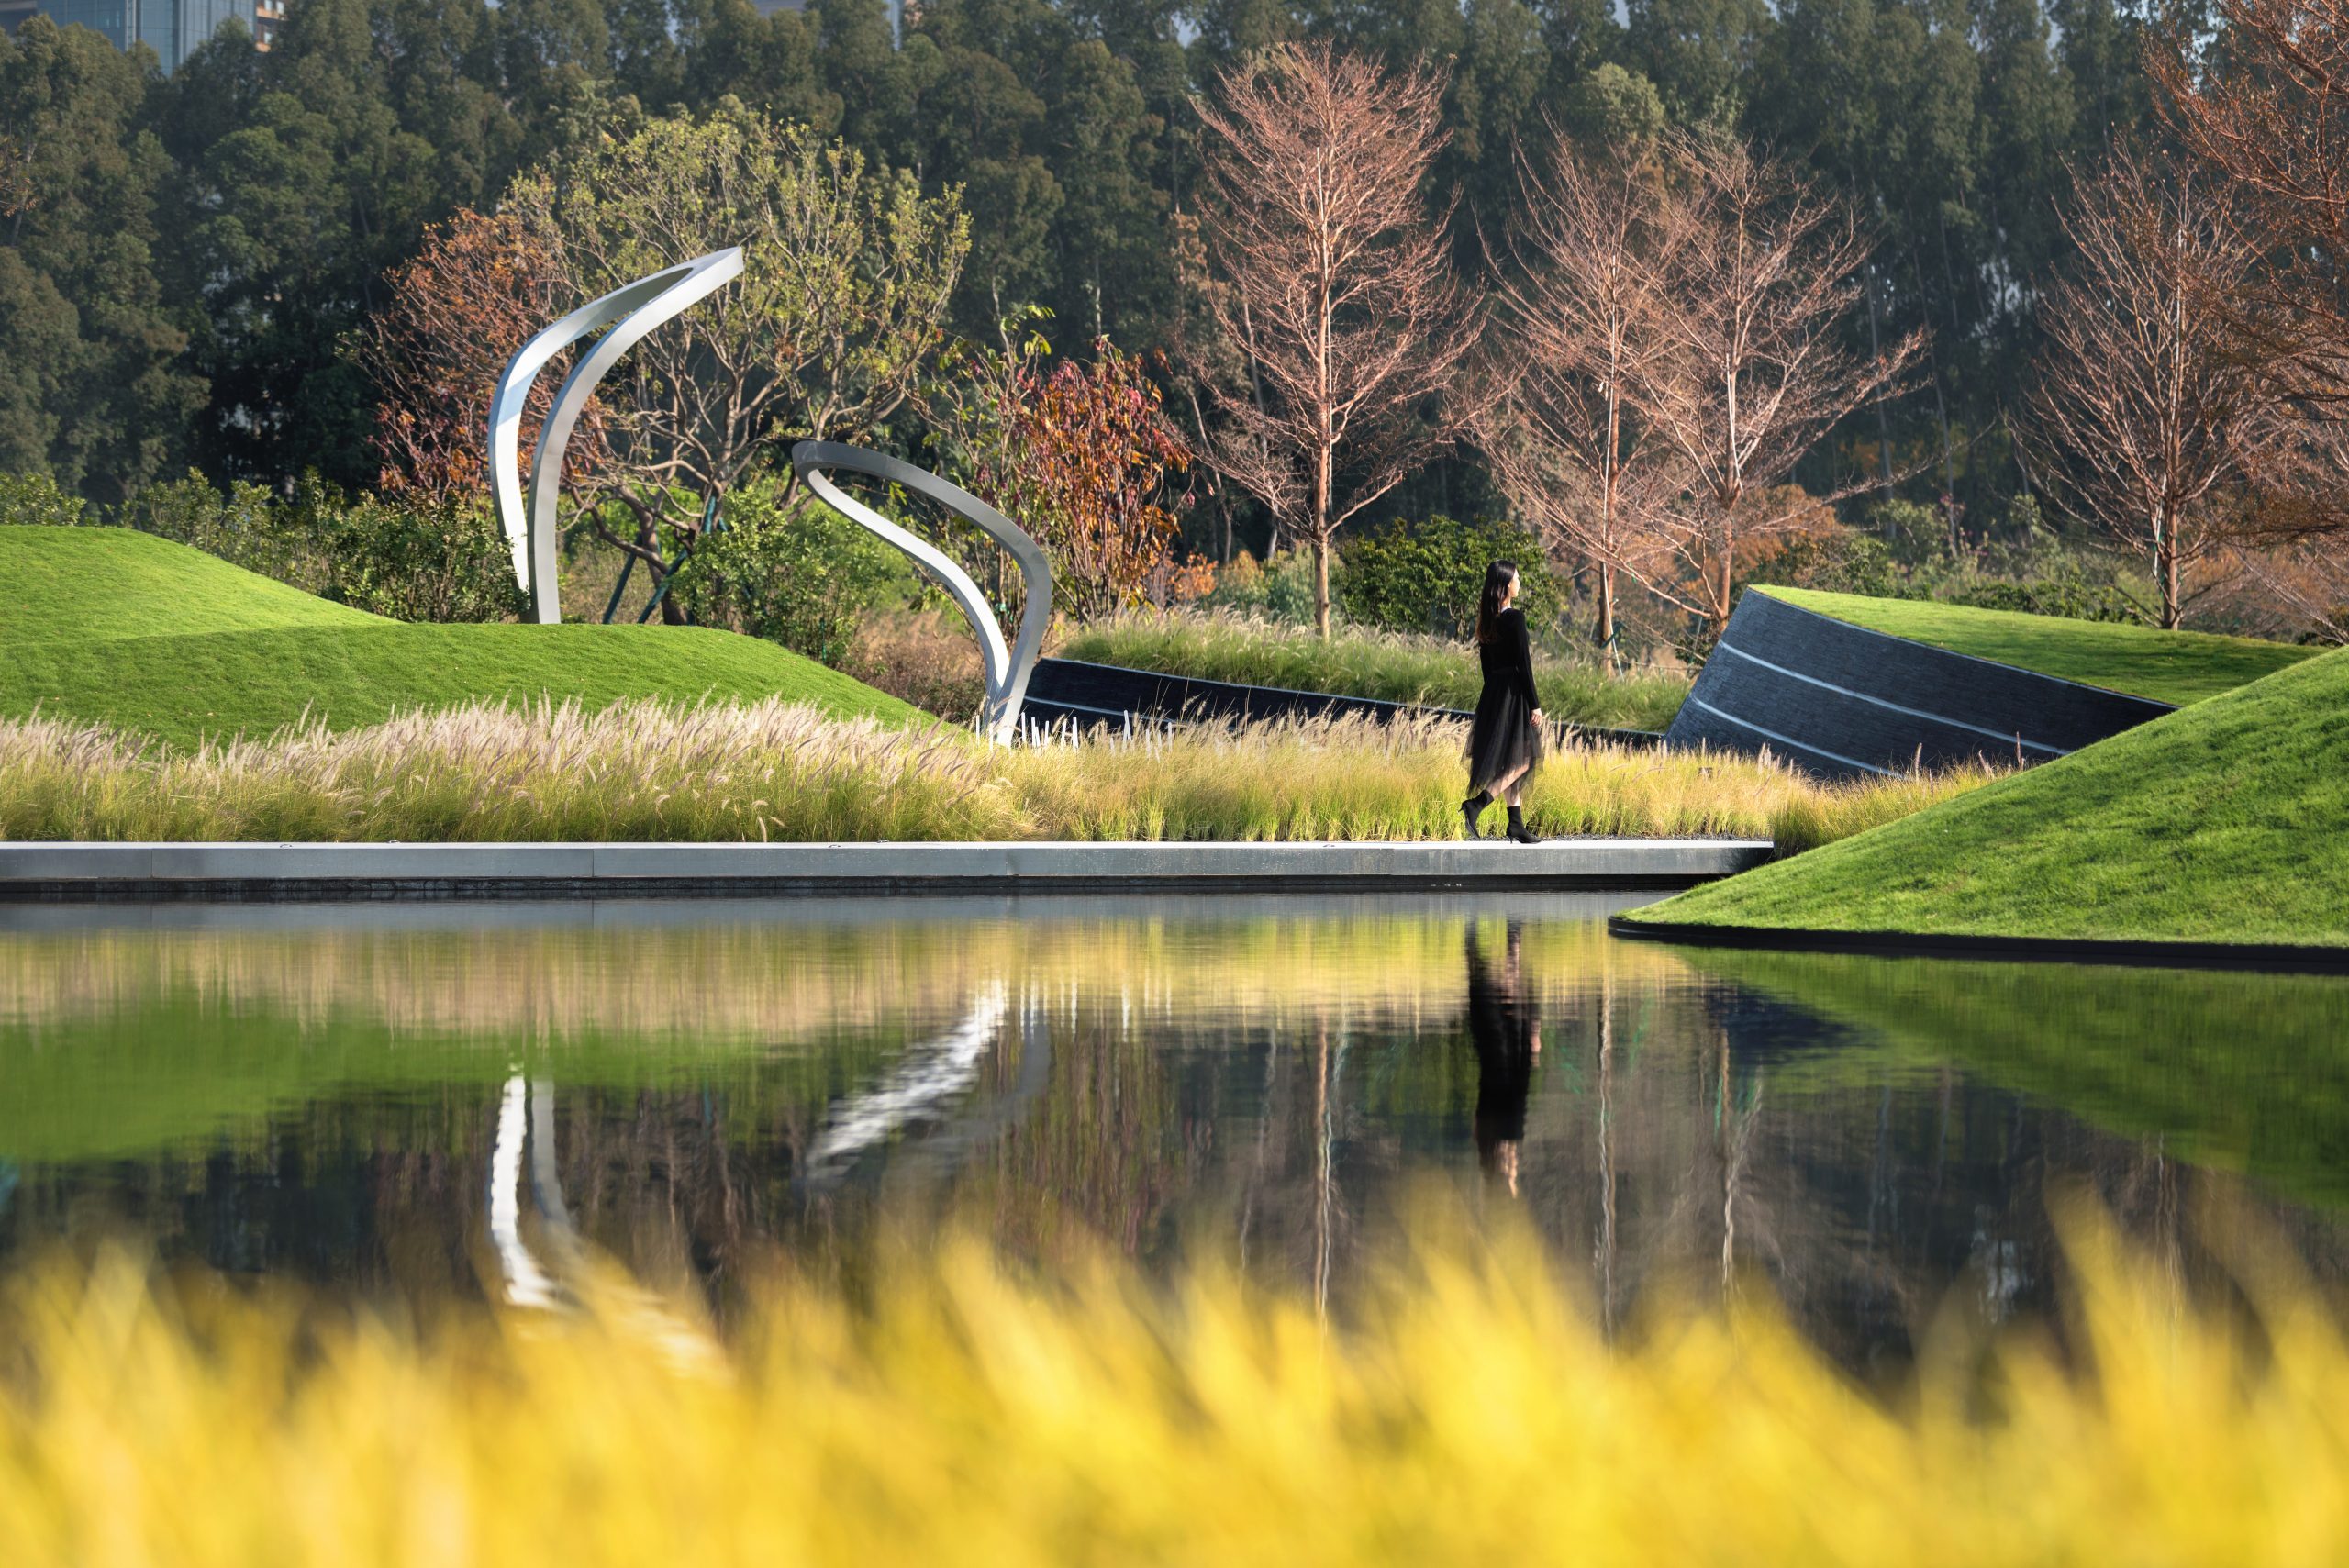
[{"x": 170, "y": 27}]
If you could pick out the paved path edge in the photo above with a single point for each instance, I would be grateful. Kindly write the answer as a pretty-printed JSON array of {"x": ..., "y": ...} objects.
[{"x": 82, "y": 872}]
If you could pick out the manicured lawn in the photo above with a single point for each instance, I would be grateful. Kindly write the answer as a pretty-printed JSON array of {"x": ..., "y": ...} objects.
[
  {"x": 2177, "y": 667},
  {"x": 181, "y": 689},
  {"x": 2226, "y": 821},
  {"x": 120, "y": 627},
  {"x": 76, "y": 584}
]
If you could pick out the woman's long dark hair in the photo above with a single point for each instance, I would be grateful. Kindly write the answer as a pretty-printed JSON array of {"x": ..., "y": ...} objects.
[{"x": 1498, "y": 576}]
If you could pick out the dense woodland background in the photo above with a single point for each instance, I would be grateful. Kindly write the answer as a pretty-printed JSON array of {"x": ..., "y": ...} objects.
[{"x": 190, "y": 263}]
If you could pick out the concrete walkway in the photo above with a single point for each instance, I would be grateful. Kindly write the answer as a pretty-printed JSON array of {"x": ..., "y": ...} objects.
[{"x": 80, "y": 872}]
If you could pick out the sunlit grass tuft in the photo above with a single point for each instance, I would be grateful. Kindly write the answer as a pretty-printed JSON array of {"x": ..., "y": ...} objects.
[
  {"x": 1359, "y": 662},
  {"x": 661, "y": 772},
  {"x": 1468, "y": 1410}
]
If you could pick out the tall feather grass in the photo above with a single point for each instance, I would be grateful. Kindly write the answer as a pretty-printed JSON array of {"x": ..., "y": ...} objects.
[
  {"x": 1365, "y": 663},
  {"x": 663, "y": 771},
  {"x": 968, "y": 1411}
]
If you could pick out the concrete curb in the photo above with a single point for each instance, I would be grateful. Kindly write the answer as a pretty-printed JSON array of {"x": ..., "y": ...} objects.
[
  {"x": 2277, "y": 957},
  {"x": 92, "y": 871}
]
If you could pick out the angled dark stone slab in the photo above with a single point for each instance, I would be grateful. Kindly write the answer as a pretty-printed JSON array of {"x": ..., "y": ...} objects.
[
  {"x": 1108, "y": 694},
  {"x": 1840, "y": 701}
]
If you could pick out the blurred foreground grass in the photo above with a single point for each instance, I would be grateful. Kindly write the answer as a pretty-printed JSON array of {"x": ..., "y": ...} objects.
[{"x": 968, "y": 1412}]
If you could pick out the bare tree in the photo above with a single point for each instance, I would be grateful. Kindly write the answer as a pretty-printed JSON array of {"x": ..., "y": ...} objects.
[
  {"x": 2272, "y": 122},
  {"x": 1751, "y": 371},
  {"x": 1565, "y": 443},
  {"x": 2145, "y": 403},
  {"x": 1335, "y": 282}
]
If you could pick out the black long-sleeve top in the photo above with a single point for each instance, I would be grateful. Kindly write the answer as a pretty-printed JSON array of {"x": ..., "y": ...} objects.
[{"x": 1508, "y": 658}]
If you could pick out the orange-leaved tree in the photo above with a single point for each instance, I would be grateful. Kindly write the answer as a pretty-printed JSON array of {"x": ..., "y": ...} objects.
[
  {"x": 1079, "y": 455},
  {"x": 481, "y": 284}
]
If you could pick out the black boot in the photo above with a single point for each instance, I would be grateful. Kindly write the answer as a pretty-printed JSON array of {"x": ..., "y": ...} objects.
[
  {"x": 1518, "y": 830},
  {"x": 1473, "y": 808}
]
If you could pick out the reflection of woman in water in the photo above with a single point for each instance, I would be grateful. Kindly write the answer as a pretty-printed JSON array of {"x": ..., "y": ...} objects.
[{"x": 1505, "y": 1026}]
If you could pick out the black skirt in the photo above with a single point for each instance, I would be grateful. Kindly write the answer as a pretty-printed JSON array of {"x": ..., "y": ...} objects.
[{"x": 1503, "y": 738}]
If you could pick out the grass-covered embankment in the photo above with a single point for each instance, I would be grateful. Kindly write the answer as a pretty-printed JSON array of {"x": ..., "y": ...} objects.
[
  {"x": 654, "y": 771},
  {"x": 2175, "y": 667},
  {"x": 61, "y": 585},
  {"x": 1355, "y": 661},
  {"x": 117, "y": 628},
  {"x": 2224, "y": 822},
  {"x": 953, "y": 1406},
  {"x": 181, "y": 689}
]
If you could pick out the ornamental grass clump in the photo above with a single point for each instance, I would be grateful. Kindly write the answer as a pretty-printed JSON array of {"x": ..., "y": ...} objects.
[
  {"x": 1433, "y": 672},
  {"x": 959, "y": 1407},
  {"x": 645, "y": 770},
  {"x": 651, "y": 771}
]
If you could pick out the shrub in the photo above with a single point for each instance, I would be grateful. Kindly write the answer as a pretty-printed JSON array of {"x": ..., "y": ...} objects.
[
  {"x": 1428, "y": 576},
  {"x": 244, "y": 526},
  {"x": 796, "y": 573},
  {"x": 34, "y": 498},
  {"x": 443, "y": 562},
  {"x": 1278, "y": 588}
]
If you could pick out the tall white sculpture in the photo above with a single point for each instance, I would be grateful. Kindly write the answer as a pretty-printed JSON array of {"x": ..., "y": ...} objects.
[
  {"x": 630, "y": 313},
  {"x": 1006, "y": 671}
]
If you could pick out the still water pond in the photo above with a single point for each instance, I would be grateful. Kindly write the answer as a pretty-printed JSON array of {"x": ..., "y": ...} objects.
[{"x": 415, "y": 1102}]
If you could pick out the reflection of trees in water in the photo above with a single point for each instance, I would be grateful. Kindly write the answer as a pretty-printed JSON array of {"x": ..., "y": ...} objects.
[{"x": 1670, "y": 1126}]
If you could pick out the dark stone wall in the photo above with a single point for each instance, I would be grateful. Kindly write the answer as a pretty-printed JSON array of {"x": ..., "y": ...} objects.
[
  {"x": 1107, "y": 693},
  {"x": 1840, "y": 701}
]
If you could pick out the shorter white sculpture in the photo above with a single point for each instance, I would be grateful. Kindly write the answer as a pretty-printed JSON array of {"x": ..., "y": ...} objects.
[
  {"x": 1006, "y": 671},
  {"x": 630, "y": 313}
]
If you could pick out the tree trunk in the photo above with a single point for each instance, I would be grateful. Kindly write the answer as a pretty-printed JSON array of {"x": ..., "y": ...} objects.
[
  {"x": 1607, "y": 613},
  {"x": 1722, "y": 604},
  {"x": 2165, "y": 565},
  {"x": 1321, "y": 585}
]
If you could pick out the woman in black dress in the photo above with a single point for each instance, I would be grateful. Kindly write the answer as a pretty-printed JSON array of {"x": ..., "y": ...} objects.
[{"x": 1505, "y": 742}]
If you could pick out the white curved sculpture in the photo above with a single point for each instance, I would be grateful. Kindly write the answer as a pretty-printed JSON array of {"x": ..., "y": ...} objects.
[
  {"x": 630, "y": 313},
  {"x": 1006, "y": 671}
]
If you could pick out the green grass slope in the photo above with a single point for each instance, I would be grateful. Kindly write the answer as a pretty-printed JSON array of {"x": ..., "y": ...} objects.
[
  {"x": 2226, "y": 821},
  {"x": 183, "y": 688},
  {"x": 79, "y": 585},
  {"x": 2177, "y": 667}
]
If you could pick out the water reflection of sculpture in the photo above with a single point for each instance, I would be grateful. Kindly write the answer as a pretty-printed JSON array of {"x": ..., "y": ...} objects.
[{"x": 929, "y": 1087}]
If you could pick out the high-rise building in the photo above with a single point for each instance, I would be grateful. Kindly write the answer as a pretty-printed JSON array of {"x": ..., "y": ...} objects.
[{"x": 170, "y": 27}]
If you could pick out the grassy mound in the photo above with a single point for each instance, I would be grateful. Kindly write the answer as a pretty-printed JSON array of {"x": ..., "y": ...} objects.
[
  {"x": 182, "y": 688},
  {"x": 2177, "y": 667},
  {"x": 2226, "y": 821},
  {"x": 118, "y": 627},
  {"x": 77, "y": 585}
]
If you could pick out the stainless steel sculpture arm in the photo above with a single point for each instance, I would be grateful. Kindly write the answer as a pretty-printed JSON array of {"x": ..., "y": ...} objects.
[
  {"x": 631, "y": 312},
  {"x": 1006, "y": 672}
]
